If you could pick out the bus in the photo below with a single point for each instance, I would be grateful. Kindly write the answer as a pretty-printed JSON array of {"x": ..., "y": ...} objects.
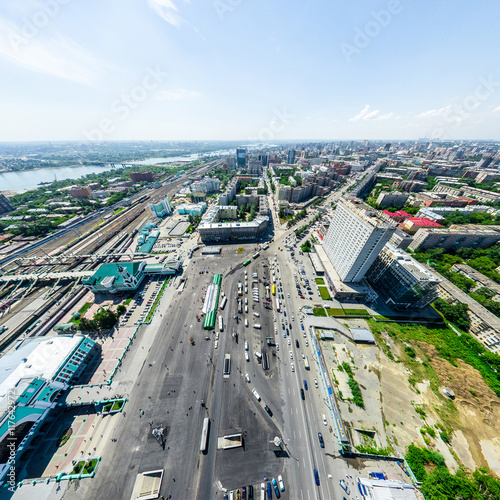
[
  {"x": 221, "y": 325},
  {"x": 204, "y": 435},
  {"x": 255, "y": 255},
  {"x": 306, "y": 363},
  {"x": 265, "y": 362},
  {"x": 240, "y": 288},
  {"x": 247, "y": 262},
  {"x": 265, "y": 247},
  {"x": 273, "y": 289},
  {"x": 223, "y": 303},
  {"x": 277, "y": 305},
  {"x": 267, "y": 293},
  {"x": 227, "y": 365}
]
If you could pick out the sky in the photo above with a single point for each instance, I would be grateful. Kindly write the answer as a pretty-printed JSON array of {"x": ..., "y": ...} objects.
[{"x": 249, "y": 70}]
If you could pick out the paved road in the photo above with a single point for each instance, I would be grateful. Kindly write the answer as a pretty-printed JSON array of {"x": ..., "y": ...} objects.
[{"x": 176, "y": 376}]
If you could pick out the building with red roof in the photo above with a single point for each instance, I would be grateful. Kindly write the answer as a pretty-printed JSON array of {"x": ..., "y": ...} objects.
[
  {"x": 398, "y": 216},
  {"x": 412, "y": 224}
]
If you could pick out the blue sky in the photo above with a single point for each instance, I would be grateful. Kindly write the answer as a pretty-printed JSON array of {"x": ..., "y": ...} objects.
[{"x": 249, "y": 69}]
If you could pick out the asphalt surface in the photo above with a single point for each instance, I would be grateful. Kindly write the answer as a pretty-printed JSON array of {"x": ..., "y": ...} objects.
[{"x": 171, "y": 381}]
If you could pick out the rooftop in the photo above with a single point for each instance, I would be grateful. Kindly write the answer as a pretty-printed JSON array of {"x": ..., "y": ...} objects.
[
  {"x": 31, "y": 359},
  {"x": 111, "y": 270},
  {"x": 422, "y": 221}
]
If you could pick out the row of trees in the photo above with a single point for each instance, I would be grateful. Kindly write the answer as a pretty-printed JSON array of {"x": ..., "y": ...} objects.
[
  {"x": 484, "y": 261},
  {"x": 456, "y": 313}
]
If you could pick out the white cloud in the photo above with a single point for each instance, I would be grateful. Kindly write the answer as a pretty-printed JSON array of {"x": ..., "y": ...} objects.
[
  {"x": 168, "y": 11},
  {"x": 432, "y": 113},
  {"x": 178, "y": 95},
  {"x": 372, "y": 114},
  {"x": 496, "y": 110},
  {"x": 58, "y": 56}
]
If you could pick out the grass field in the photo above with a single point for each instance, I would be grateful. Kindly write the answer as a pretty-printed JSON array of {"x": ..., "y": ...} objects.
[
  {"x": 323, "y": 291},
  {"x": 449, "y": 345},
  {"x": 356, "y": 312},
  {"x": 335, "y": 312},
  {"x": 319, "y": 311},
  {"x": 320, "y": 281}
]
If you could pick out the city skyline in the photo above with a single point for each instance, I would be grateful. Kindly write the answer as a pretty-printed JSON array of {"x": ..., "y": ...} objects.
[{"x": 179, "y": 70}]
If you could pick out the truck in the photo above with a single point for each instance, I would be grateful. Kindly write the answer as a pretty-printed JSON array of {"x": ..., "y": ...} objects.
[
  {"x": 306, "y": 363},
  {"x": 256, "y": 314},
  {"x": 257, "y": 326}
]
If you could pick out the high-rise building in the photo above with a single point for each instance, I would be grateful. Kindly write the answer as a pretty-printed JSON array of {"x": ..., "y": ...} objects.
[
  {"x": 241, "y": 157},
  {"x": 160, "y": 208},
  {"x": 291, "y": 156},
  {"x": 5, "y": 205},
  {"x": 356, "y": 236},
  {"x": 401, "y": 281}
]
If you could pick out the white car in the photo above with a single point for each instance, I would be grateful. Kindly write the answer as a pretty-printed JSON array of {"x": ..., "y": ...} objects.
[
  {"x": 247, "y": 377},
  {"x": 293, "y": 317},
  {"x": 262, "y": 491},
  {"x": 291, "y": 355},
  {"x": 216, "y": 344},
  {"x": 275, "y": 319},
  {"x": 217, "y": 336},
  {"x": 293, "y": 367},
  {"x": 289, "y": 341},
  {"x": 315, "y": 383},
  {"x": 247, "y": 358},
  {"x": 281, "y": 483}
]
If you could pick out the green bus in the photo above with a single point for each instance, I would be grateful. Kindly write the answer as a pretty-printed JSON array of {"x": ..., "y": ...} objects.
[{"x": 247, "y": 262}]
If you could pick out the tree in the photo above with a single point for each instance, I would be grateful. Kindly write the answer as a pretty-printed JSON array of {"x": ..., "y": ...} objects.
[
  {"x": 306, "y": 247},
  {"x": 121, "y": 309},
  {"x": 105, "y": 319},
  {"x": 456, "y": 314}
]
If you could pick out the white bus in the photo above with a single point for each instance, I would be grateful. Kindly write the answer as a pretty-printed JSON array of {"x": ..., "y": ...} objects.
[
  {"x": 223, "y": 303},
  {"x": 221, "y": 325},
  {"x": 204, "y": 435}
]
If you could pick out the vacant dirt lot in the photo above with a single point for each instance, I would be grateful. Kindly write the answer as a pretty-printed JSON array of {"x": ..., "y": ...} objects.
[{"x": 407, "y": 405}]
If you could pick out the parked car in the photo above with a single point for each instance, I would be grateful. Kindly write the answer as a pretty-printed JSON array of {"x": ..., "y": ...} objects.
[
  {"x": 281, "y": 483},
  {"x": 276, "y": 489},
  {"x": 268, "y": 410}
]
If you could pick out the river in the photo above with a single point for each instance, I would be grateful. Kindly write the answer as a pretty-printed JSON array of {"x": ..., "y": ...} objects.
[{"x": 30, "y": 179}]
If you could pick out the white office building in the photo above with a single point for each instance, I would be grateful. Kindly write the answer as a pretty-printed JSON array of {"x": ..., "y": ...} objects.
[
  {"x": 160, "y": 208},
  {"x": 356, "y": 236}
]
